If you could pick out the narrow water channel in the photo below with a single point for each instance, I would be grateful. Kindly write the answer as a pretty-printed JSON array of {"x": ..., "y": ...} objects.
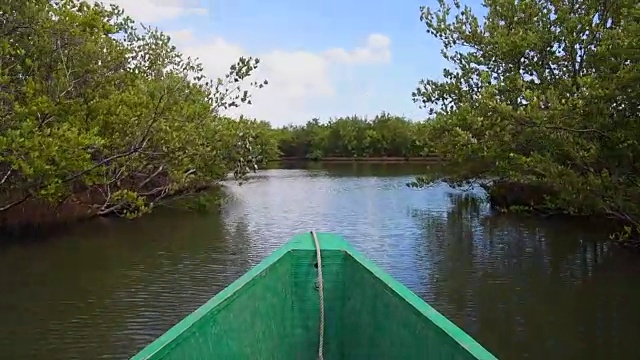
[{"x": 523, "y": 287}]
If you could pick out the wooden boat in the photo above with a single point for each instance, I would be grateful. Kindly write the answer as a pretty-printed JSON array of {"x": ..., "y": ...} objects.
[{"x": 306, "y": 301}]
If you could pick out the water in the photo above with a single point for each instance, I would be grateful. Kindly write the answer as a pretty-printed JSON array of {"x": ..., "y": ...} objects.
[{"x": 524, "y": 287}]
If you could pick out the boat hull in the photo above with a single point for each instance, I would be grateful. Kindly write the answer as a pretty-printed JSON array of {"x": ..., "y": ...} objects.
[{"x": 273, "y": 312}]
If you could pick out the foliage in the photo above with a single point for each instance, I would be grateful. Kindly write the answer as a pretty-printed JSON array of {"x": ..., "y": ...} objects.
[
  {"x": 383, "y": 136},
  {"x": 543, "y": 93},
  {"x": 90, "y": 104}
]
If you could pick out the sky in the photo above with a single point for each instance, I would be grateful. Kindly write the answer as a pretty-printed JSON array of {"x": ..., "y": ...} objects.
[{"x": 324, "y": 59}]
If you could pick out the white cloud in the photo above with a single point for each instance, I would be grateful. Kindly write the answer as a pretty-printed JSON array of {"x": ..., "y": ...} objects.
[
  {"x": 148, "y": 11},
  {"x": 376, "y": 50},
  {"x": 296, "y": 78}
]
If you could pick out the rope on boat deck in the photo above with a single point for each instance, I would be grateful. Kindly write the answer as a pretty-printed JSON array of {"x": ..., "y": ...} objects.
[{"x": 321, "y": 294}]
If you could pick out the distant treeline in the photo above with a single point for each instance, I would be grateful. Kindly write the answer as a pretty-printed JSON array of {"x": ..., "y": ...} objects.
[{"x": 385, "y": 135}]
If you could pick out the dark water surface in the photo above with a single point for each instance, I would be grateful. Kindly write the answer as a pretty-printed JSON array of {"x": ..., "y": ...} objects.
[{"x": 524, "y": 287}]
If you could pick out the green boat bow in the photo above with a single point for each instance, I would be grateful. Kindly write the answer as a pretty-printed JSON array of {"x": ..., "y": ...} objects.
[{"x": 273, "y": 312}]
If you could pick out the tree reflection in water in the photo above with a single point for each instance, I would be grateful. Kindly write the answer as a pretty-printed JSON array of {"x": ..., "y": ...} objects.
[{"x": 525, "y": 286}]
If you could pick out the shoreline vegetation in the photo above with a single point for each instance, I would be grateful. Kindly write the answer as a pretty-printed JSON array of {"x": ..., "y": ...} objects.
[
  {"x": 101, "y": 117},
  {"x": 381, "y": 159}
]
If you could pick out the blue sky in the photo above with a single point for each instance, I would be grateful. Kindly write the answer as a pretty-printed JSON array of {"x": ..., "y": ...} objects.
[{"x": 291, "y": 35}]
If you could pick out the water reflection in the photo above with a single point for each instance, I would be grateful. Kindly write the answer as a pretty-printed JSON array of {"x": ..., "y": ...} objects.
[
  {"x": 108, "y": 287},
  {"x": 363, "y": 169},
  {"x": 526, "y": 288},
  {"x": 371, "y": 211}
]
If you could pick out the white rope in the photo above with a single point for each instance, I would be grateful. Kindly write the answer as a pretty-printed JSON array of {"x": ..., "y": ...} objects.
[{"x": 321, "y": 292}]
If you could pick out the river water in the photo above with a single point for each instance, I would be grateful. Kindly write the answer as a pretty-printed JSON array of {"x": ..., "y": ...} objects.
[{"x": 523, "y": 287}]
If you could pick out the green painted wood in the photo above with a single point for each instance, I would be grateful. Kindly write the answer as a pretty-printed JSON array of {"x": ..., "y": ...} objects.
[{"x": 272, "y": 312}]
